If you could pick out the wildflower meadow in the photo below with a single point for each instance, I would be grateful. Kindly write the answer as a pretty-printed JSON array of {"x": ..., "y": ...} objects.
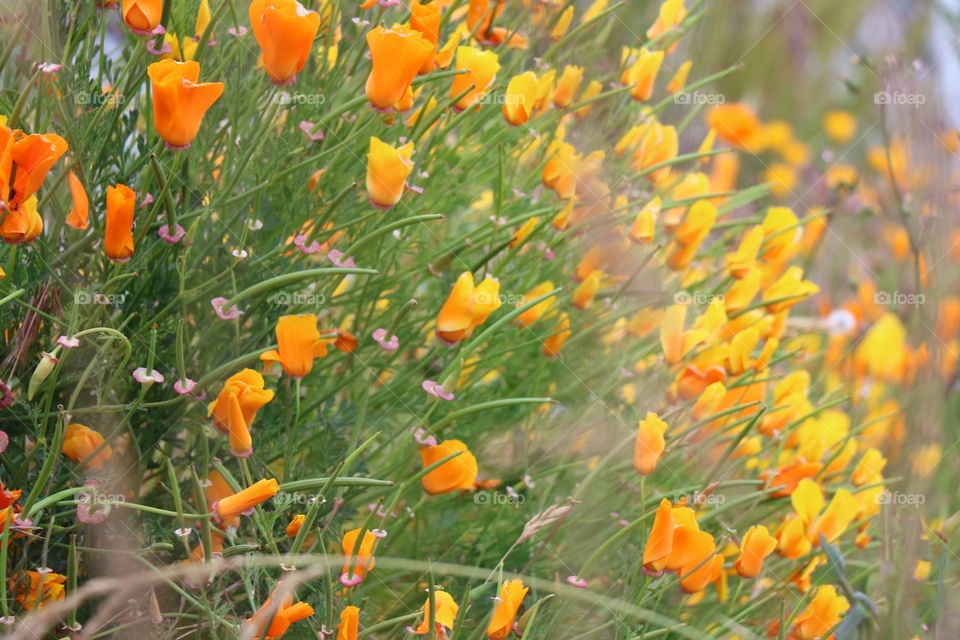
[{"x": 467, "y": 319}]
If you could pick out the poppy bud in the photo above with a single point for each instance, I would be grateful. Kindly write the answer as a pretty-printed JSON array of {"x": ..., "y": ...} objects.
[
  {"x": 387, "y": 172},
  {"x": 285, "y": 30},
  {"x": 118, "y": 228}
]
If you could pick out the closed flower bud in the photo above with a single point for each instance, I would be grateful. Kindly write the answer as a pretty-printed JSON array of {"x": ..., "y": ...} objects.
[{"x": 387, "y": 172}]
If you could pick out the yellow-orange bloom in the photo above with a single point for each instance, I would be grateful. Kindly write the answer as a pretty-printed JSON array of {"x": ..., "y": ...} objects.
[
  {"x": 561, "y": 332},
  {"x": 387, "y": 172},
  {"x": 273, "y": 620},
  {"x": 236, "y": 407},
  {"x": 36, "y": 589},
  {"x": 559, "y": 171},
  {"x": 359, "y": 561},
  {"x": 512, "y": 594},
  {"x": 285, "y": 30},
  {"x": 642, "y": 74},
  {"x": 445, "y": 615},
  {"x": 79, "y": 216},
  {"x": 425, "y": 18},
  {"x": 459, "y": 473},
  {"x": 295, "y": 524},
  {"x": 675, "y": 341},
  {"x": 586, "y": 291},
  {"x": 644, "y": 226},
  {"x": 660, "y": 540},
  {"x": 142, "y": 15},
  {"x": 467, "y": 307},
  {"x": 79, "y": 442},
  {"x": 536, "y": 311},
  {"x": 234, "y": 505},
  {"x": 788, "y": 290},
  {"x": 567, "y": 86},
  {"x": 25, "y": 161},
  {"x": 671, "y": 14},
  {"x": 23, "y": 224},
  {"x": 658, "y": 144},
  {"x": 562, "y": 24},
  {"x": 180, "y": 100},
  {"x": 837, "y": 517},
  {"x": 821, "y": 615},
  {"x": 298, "y": 344},
  {"x": 118, "y": 228},
  {"x": 756, "y": 545},
  {"x": 349, "y": 625},
  {"x": 520, "y": 98},
  {"x": 396, "y": 55},
  {"x": 737, "y": 124},
  {"x": 650, "y": 443},
  {"x": 741, "y": 262},
  {"x": 481, "y": 67}
]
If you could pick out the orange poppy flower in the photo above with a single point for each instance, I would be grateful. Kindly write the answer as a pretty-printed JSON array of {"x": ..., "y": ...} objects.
[
  {"x": 532, "y": 314},
  {"x": 567, "y": 86},
  {"x": 36, "y": 589},
  {"x": 387, "y": 172},
  {"x": 512, "y": 594},
  {"x": 642, "y": 74},
  {"x": 236, "y": 504},
  {"x": 459, "y": 473},
  {"x": 79, "y": 442},
  {"x": 235, "y": 408},
  {"x": 25, "y": 161},
  {"x": 23, "y": 224},
  {"x": 445, "y": 616},
  {"x": 425, "y": 18},
  {"x": 649, "y": 444},
  {"x": 467, "y": 307},
  {"x": 298, "y": 344},
  {"x": 79, "y": 216},
  {"x": 349, "y": 624},
  {"x": 142, "y": 15},
  {"x": 273, "y": 620},
  {"x": 179, "y": 100},
  {"x": 561, "y": 332},
  {"x": 481, "y": 67},
  {"x": 520, "y": 97},
  {"x": 756, "y": 545},
  {"x": 397, "y": 54},
  {"x": 118, "y": 228},
  {"x": 285, "y": 30},
  {"x": 359, "y": 562}
]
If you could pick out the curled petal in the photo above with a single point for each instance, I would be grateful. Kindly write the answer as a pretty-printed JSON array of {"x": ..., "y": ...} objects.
[
  {"x": 576, "y": 581},
  {"x": 300, "y": 242},
  {"x": 142, "y": 376},
  {"x": 172, "y": 238},
  {"x": 229, "y": 314},
  {"x": 310, "y": 130},
  {"x": 435, "y": 389},
  {"x": 68, "y": 342},
  {"x": 391, "y": 344},
  {"x": 184, "y": 386},
  {"x": 336, "y": 257}
]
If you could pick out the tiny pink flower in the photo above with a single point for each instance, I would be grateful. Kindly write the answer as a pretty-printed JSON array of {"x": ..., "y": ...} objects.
[
  {"x": 141, "y": 375},
  {"x": 413, "y": 188},
  {"x": 380, "y": 335},
  {"x": 240, "y": 253},
  {"x": 4, "y": 441},
  {"x": 423, "y": 438},
  {"x": 49, "y": 67},
  {"x": 308, "y": 128},
  {"x": 230, "y": 314},
  {"x": 237, "y": 31},
  {"x": 184, "y": 386},
  {"x": 172, "y": 238},
  {"x": 68, "y": 342},
  {"x": 336, "y": 257},
  {"x": 350, "y": 579},
  {"x": 380, "y": 533},
  {"x": 575, "y": 581},
  {"x": 435, "y": 389},
  {"x": 147, "y": 200},
  {"x": 300, "y": 242},
  {"x": 158, "y": 50}
]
